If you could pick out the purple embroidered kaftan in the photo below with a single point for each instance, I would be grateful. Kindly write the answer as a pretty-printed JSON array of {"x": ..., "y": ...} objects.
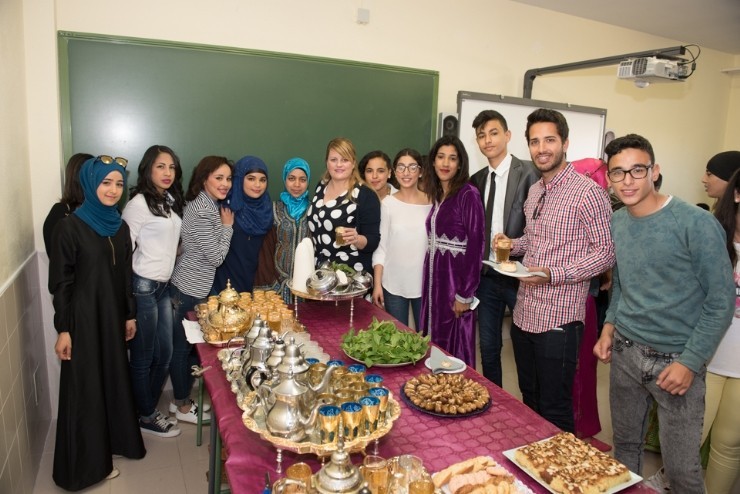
[{"x": 456, "y": 229}]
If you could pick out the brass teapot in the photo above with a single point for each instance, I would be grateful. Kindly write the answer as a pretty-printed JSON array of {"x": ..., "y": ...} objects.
[{"x": 228, "y": 320}]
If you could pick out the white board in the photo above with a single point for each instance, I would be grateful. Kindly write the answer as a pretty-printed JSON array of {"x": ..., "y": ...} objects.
[{"x": 586, "y": 125}]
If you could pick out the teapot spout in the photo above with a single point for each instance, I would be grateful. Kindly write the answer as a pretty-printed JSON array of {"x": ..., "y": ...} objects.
[
  {"x": 323, "y": 385},
  {"x": 309, "y": 423}
]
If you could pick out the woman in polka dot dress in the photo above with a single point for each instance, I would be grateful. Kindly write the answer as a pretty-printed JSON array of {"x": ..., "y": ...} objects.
[{"x": 343, "y": 200}]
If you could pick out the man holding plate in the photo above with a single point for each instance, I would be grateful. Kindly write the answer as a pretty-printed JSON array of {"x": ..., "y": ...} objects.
[{"x": 567, "y": 238}]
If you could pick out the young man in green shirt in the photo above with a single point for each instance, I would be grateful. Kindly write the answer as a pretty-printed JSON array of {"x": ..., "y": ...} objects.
[{"x": 673, "y": 299}]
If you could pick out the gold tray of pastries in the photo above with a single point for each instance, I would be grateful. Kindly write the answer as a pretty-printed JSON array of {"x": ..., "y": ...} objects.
[{"x": 312, "y": 442}]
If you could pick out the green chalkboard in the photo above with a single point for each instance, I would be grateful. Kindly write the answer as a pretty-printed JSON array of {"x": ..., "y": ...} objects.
[{"x": 121, "y": 95}]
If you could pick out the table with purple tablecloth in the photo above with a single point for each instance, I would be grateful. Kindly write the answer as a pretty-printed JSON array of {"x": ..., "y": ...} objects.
[{"x": 438, "y": 441}]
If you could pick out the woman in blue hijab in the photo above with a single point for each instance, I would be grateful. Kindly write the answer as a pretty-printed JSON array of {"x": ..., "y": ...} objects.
[
  {"x": 94, "y": 310},
  {"x": 250, "y": 202},
  {"x": 291, "y": 224}
]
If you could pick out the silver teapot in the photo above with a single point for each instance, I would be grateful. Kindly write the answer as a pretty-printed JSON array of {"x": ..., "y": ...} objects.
[
  {"x": 291, "y": 415},
  {"x": 339, "y": 475},
  {"x": 255, "y": 370}
]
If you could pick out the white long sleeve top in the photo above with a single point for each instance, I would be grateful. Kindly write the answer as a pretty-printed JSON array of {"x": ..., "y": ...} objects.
[{"x": 403, "y": 245}]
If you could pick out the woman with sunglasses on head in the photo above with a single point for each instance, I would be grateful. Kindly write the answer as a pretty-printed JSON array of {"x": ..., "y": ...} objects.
[
  {"x": 456, "y": 228},
  {"x": 252, "y": 208},
  {"x": 375, "y": 168},
  {"x": 94, "y": 314},
  {"x": 398, "y": 261},
  {"x": 205, "y": 238},
  {"x": 344, "y": 208},
  {"x": 72, "y": 197},
  {"x": 154, "y": 216}
]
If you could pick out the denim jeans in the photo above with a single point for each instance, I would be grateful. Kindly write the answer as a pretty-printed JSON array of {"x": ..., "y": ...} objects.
[
  {"x": 398, "y": 307},
  {"x": 495, "y": 292},
  {"x": 632, "y": 389},
  {"x": 545, "y": 364},
  {"x": 183, "y": 354},
  {"x": 151, "y": 348}
]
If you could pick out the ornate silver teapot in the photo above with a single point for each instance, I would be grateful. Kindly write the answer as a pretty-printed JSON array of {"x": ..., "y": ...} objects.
[
  {"x": 255, "y": 370},
  {"x": 339, "y": 475},
  {"x": 291, "y": 416}
]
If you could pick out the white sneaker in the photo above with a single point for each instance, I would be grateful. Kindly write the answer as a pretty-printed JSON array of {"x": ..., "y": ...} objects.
[
  {"x": 191, "y": 415},
  {"x": 659, "y": 481},
  {"x": 206, "y": 406}
]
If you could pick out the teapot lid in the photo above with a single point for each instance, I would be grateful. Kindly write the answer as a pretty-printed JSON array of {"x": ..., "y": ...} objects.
[
  {"x": 293, "y": 359},
  {"x": 290, "y": 387},
  {"x": 339, "y": 475},
  {"x": 228, "y": 296}
]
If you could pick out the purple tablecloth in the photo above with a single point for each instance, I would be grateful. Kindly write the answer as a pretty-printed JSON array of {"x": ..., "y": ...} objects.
[{"x": 437, "y": 441}]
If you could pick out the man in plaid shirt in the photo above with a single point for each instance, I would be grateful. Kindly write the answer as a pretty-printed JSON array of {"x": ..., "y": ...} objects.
[{"x": 567, "y": 238}]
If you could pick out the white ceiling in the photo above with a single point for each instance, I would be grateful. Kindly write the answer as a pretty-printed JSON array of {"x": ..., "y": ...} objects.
[{"x": 711, "y": 24}]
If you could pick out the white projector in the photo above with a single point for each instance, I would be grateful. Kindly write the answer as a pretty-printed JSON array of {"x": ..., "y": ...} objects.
[{"x": 646, "y": 70}]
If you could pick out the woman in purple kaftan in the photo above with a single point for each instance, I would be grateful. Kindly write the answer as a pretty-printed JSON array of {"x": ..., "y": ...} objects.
[{"x": 456, "y": 229}]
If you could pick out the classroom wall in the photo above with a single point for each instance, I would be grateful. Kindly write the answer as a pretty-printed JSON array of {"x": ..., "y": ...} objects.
[
  {"x": 483, "y": 46},
  {"x": 476, "y": 45}
]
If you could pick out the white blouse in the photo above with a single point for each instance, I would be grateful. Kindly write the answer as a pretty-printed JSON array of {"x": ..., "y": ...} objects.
[
  {"x": 403, "y": 245},
  {"x": 154, "y": 240},
  {"x": 725, "y": 361}
]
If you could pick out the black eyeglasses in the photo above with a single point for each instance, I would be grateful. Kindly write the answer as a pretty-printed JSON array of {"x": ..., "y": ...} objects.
[
  {"x": 110, "y": 159},
  {"x": 538, "y": 207},
  {"x": 637, "y": 172},
  {"x": 410, "y": 168}
]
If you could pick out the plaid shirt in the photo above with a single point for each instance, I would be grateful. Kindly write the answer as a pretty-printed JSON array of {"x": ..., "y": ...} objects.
[{"x": 569, "y": 234}]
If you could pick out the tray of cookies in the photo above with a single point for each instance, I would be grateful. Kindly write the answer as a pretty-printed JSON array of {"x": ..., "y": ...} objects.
[{"x": 446, "y": 395}]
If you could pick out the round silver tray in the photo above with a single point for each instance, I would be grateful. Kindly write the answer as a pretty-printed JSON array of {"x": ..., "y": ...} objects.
[
  {"x": 355, "y": 445},
  {"x": 329, "y": 297}
]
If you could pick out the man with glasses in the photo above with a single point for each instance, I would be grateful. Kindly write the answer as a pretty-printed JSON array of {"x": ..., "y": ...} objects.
[
  {"x": 673, "y": 299},
  {"x": 567, "y": 239},
  {"x": 503, "y": 187}
]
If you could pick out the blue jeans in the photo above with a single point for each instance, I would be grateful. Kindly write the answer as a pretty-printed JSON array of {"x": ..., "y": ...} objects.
[
  {"x": 398, "y": 307},
  {"x": 495, "y": 292},
  {"x": 632, "y": 389},
  {"x": 151, "y": 347},
  {"x": 183, "y": 354},
  {"x": 545, "y": 364}
]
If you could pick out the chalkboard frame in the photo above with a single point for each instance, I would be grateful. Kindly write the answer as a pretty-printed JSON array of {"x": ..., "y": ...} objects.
[
  {"x": 413, "y": 127},
  {"x": 586, "y": 124}
]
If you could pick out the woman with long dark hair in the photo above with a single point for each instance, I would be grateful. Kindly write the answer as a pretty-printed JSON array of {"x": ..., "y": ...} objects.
[
  {"x": 456, "y": 229},
  {"x": 206, "y": 235},
  {"x": 94, "y": 314},
  {"x": 723, "y": 371},
  {"x": 72, "y": 197},
  {"x": 154, "y": 216}
]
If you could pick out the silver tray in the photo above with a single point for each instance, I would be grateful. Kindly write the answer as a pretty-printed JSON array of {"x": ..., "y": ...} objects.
[{"x": 329, "y": 297}]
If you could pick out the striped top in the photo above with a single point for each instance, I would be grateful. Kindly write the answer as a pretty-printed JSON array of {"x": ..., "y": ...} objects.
[
  {"x": 205, "y": 243},
  {"x": 570, "y": 234}
]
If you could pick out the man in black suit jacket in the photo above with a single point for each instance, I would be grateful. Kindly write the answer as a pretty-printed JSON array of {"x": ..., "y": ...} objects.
[{"x": 512, "y": 178}]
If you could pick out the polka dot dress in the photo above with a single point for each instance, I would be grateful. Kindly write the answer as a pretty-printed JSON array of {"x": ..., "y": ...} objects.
[{"x": 324, "y": 217}]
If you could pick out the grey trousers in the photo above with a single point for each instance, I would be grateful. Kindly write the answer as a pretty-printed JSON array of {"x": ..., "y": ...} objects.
[{"x": 634, "y": 370}]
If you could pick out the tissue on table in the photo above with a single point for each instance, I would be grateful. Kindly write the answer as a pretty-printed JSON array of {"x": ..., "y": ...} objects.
[{"x": 303, "y": 265}]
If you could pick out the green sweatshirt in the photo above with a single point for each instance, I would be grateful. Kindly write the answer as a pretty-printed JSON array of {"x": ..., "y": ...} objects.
[{"x": 673, "y": 286}]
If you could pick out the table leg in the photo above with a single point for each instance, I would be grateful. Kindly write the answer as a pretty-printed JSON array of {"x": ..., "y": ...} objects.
[{"x": 214, "y": 457}]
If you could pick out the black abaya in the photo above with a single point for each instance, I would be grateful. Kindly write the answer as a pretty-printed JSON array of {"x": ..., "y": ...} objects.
[{"x": 90, "y": 278}]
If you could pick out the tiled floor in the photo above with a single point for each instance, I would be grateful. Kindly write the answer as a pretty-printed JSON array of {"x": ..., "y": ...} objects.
[
  {"x": 177, "y": 465},
  {"x": 171, "y": 466}
]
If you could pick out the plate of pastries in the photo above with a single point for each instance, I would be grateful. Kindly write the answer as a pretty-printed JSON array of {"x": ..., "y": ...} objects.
[{"x": 446, "y": 395}]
